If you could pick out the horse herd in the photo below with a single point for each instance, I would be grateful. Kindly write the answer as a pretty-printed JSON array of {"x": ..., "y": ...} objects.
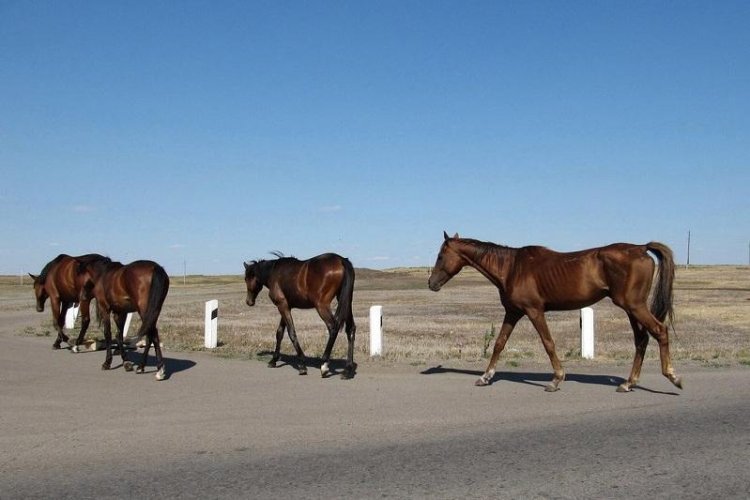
[{"x": 531, "y": 280}]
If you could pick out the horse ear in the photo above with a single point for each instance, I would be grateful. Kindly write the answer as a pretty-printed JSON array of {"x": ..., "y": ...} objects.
[
  {"x": 455, "y": 236},
  {"x": 445, "y": 235},
  {"x": 33, "y": 277},
  {"x": 246, "y": 266}
]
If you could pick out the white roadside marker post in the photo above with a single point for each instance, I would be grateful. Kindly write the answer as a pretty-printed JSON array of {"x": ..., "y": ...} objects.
[
  {"x": 376, "y": 331},
  {"x": 587, "y": 333},
  {"x": 70, "y": 317},
  {"x": 212, "y": 323}
]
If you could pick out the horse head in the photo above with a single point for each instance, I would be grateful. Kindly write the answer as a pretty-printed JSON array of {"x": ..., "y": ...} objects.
[
  {"x": 447, "y": 264},
  {"x": 252, "y": 281},
  {"x": 40, "y": 292}
]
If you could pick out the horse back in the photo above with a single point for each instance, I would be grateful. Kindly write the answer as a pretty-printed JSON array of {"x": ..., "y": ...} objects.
[
  {"x": 62, "y": 278},
  {"x": 571, "y": 280},
  {"x": 305, "y": 284},
  {"x": 543, "y": 278}
]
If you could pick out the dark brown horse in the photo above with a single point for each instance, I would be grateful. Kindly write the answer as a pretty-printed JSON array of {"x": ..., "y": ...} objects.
[
  {"x": 141, "y": 287},
  {"x": 312, "y": 283},
  {"x": 60, "y": 282},
  {"x": 534, "y": 279}
]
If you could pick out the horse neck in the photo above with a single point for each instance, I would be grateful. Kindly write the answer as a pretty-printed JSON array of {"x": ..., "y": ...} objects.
[
  {"x": 265, "y": 269},
  {"x": 492, "y": 261}
]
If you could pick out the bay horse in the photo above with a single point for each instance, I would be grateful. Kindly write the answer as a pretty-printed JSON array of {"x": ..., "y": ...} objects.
[
  {"x": 307, "y": 284},
  {"x": 534, "y": 279},
  {"x": 141, "y": 287},
  {"x": 63, "y": 285}
]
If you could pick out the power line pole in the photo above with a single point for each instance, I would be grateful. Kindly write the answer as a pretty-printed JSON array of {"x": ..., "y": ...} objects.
[{"x": 688, "y": 251}]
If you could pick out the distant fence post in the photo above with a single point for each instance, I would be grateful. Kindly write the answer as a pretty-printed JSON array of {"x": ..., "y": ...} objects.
[
  {"x": 376, "y": 331},
  {"x": 587, "y": 333},
  {"x": 70, "y": 317},
  {"x": 212, "y": 323}
]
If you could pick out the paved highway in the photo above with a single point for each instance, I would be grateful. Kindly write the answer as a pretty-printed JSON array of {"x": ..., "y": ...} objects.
[{"x": 223, "y": 428}]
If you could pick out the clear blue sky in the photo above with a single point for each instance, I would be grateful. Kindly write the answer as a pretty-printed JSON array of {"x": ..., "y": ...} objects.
[{"x": 212, "y": 132}]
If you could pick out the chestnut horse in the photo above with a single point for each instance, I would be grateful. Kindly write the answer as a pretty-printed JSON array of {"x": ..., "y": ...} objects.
[
  {"x": 141, "y": 287},
  {"x": 534, "y": 279},
  {"x": 307, "y": 284},
  {"x": 60, "y": 282}
]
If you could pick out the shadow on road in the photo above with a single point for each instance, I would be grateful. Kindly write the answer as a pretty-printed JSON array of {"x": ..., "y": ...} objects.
[
  {"x": 537, "y": 379},
  {"x": 335, "y": 365}
]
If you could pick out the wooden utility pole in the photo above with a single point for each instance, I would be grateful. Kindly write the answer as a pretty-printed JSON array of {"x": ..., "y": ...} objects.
[{"x": 687, "y": 264}]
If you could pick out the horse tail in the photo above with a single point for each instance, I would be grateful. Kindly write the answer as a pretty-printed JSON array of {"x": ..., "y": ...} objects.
[
  {"x": 346, "y": 292},
  {"x": 661, "y": 303},
  {"x": 156, "y": 295}
]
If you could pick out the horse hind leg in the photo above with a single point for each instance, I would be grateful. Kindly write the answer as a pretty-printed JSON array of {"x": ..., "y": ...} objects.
[
  {"x": 640, "y": 337},
  {"x": 161, "y": 369},
  {"x": 333, "y": 332},
  {"x": 659, "y": 331},
  {"x": 351, "y": 366}
]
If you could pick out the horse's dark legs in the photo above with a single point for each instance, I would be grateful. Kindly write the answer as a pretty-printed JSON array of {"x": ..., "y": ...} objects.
[
  {"x": 661, "y": 334},
  {"x": 537, "y": 319},
  {"x": 84, "y": 311},
  {"x": 161, "y": 371},
  {"x": 279, "y": 338},
  {"x": 287, "y": 316},
  {"x": 509, "y": 322},
  {"x": 107, "y": 327},
  {"x": 351, "y": 330},
  {"x": 144, "y": 357},
  {"x": 333, "y": 332},
  {"x": 59, "y": 310},
  {"x": 120, "y": 323},
  {"x": 640, "y": 336}
]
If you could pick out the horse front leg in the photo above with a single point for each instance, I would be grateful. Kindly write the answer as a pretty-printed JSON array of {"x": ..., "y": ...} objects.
[
  {"x": 537, "y": 319},
  {"x": 279, "y": 338},
  {"x": 59, "y": 310},
  {"x": 287, "y": 315},
  {"x": 509, "y": 322}
]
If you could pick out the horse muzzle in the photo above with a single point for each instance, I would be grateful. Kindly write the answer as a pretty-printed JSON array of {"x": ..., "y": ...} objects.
[
  {"x": 40, "y": 308},
  {"x": 434, "y": 285},
  {"x": 250, "y": 302}
]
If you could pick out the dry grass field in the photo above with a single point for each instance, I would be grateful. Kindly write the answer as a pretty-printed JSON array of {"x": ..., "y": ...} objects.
[{"x": 712, "y": 324}]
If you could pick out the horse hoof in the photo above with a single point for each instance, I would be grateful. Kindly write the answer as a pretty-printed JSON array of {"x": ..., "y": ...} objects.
[
  {"x": 139, "y": 369},
  {"x": 303, "y": 371},
  {"x": 55, "y": 346},
  {"x": 324, "y": 370},
  {"x": 624, "y": 388},
  {"x": 347, "y": 375},
  {"x": 481, "y": 382},
  {"x": 677, "y": 382},
  {"x": 553, "y": 387},
  {"x": 128, "y": 366},
  {"x": 105, "y": 366},
  {"x": 272, "y": 364},
  {"x": 161, "y": 374}
]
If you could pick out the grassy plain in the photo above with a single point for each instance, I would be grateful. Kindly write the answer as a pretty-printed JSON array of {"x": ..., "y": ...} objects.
[{"x": 712, "y": 324}]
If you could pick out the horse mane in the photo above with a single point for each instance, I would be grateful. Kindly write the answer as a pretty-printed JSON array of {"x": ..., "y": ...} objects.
[
  {"x": 92, "y": 257},
  {"x": 484, "y": 248},
  {"x": 50, "y": 264},
  {"x": 262, "y": 267}
]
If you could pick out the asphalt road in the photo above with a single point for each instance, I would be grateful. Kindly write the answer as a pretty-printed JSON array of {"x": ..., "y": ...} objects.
[{"x": 222, "y": 428}]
